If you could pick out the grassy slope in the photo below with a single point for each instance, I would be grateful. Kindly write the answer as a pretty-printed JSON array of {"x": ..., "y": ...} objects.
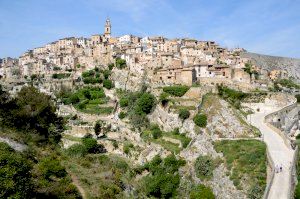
[{"x": 246, "y": 161}]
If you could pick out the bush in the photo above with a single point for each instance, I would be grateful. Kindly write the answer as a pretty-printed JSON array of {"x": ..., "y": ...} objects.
[
  {"x": 145, "y": 104},
  {"x": 120, "y": 63},
  {"x": 92, "y": 146},
  {"x": 77, "y": 150},
  {"x": 184, "y": 114},
  {"x": 200, "y": 120},
  {"x": 74, "y": 99},
  {"x": 82, "y": 105},
  {"x": 127, "y": 147},
  {"x": 298, "y": 98},
  {"x": 97, "y": 128},
  {"x": 107, "y": 84},
  {"x": 106, "y": 74},
  {"x": 234, "y": 97},
  {"x": 111, "y": 66},
  {"x": 201, "y": 191},
  {"x": 87, "y": 94},
  {"x": 50, "y": 166},
  {"x": 164, "y": 179},
  {"x": 177, "y": 91},
  {"x": 164, "y": 98},
  {"x": 122, "y": 115},
  {"x": 204, "y": 167},
  {"x": 124, "y": 101},
  {"x": 156, "y": 132},
  {"x": 15, "y": 174}
]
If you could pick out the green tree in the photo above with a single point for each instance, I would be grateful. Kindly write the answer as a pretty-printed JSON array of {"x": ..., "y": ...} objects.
[
  {"x": 200, "y": 120},
  {"x": 15, "y": 175},
  {"x": 36, "y": 111},
  {"x": 145, "y": 104},
  {"x": 50, "y": 166}
]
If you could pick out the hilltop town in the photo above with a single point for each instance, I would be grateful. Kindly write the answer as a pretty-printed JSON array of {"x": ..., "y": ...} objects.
[
  {"x": 151, "y": 117},
  {"x": 165, "y": 61}
]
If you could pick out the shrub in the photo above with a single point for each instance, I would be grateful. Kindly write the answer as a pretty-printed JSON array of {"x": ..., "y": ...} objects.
[
  {"x": 107, "y": 84},
  {"x": 127, "y": 147},
  {"x": 234, "y": 97},
  {"x": 74, "y": 99},
  {"x": 201, "y": 191},
  {"x": 77, "y": 150},
  {"x": 156, "y": 132},
  {"x": 145, "y": 104},
  {"x": 184, "y": 113},
  {"x": 204, "y": 167},
  {"x": 87, "y": 94},
  {"x": 111, "y": 66},
  {"x": 106, "y": 74},
  {"x": 200, "y": 120},
  {"x": 124, "y": 101},
  {"x": 82, "y": 105},
  {"x": 15, "y": 174},
  {"x": 164, "y": 98},
  {"x": 122, "y": 115},
  {"x": 164, "y": 179},
  {"x": 50, "y": 166},
  {"x": 92, "y": 146},
  {"x": 56, "y": 68},
  {"x": 298, "y": 98},
  {"x": 120, "y": 63},
  {"x": 97, "y": 128},
  {"x": 177, "y": 91}
]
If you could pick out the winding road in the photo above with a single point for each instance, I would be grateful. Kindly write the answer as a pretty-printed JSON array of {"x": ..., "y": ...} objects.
[{"x": 279, "y": 152}]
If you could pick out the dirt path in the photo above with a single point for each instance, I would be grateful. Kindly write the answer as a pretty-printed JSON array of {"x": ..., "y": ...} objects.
[{"x": 77, "y": 184}]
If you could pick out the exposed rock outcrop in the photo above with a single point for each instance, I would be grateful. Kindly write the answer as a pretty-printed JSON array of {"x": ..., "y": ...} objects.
[{"x": 291, "y": 65}]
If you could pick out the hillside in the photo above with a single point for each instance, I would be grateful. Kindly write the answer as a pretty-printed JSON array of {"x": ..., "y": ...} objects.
[{"x": 291, "y": 65}]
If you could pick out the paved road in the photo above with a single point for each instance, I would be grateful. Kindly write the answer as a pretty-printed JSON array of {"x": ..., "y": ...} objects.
[{"x": 280, "y": 153}]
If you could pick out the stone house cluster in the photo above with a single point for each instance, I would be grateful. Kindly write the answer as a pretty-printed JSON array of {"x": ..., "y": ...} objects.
[{"x": 167, "y": 61}]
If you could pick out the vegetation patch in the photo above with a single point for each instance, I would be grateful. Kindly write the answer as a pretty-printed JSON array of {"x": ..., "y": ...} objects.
[
  {"x": 155, "y": 135},
  {"x": 137, "y": 106},
  {"x": 234, "y": 97},
  {"x": 88, "y": 100},
  {"x": 101, "y": 176},
  {"x": 204, "y": 167},
  {"x": 200, "y": 120},
  {"x": 163, "y": 178},
  {"x": 177, "y": 91},
  {"x": 61, "y": 75},
  {"x": 202, "y": 191},
  {"x": 246, "y": 161}
]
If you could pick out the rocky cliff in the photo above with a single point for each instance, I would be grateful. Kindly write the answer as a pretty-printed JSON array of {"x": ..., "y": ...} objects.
[{"x": 291, "y": 65}]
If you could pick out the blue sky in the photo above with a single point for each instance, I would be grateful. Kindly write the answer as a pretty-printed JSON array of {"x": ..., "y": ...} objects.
[{"x": 263, "y": 26}]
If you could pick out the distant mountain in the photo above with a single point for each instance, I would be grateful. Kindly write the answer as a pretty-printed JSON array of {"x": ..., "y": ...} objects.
[{"x": 291, "y": 65}]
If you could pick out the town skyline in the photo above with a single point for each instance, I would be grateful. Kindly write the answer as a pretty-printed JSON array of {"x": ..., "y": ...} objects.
[{"x": 133, "y": 18}]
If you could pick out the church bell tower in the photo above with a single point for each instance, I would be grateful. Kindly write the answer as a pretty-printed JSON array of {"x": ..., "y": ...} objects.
[{"x": 107, "y": 28}]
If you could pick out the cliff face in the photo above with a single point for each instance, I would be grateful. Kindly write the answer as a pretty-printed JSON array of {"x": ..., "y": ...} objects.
[{"x": 291, "y": 65}]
